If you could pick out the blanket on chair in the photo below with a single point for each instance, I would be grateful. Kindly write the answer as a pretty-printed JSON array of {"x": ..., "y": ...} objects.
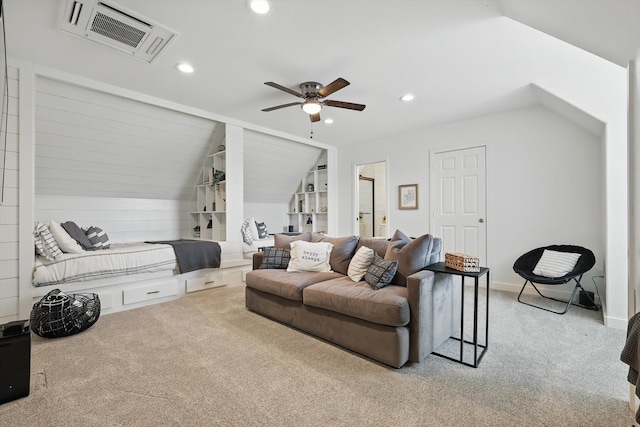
[{"x": 194, "y": 254}]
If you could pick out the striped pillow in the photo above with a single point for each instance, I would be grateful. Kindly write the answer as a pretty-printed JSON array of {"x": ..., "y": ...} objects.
[
  {"x": 555, "y": 264},
  {"x": 247, "y": 237},
  {"x": 46, "y": 244},
  {"x": 97, "y": 237},
  {"x": 360, "y": 263}
]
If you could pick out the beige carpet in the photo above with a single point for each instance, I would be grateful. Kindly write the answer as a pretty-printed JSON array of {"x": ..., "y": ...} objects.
[{"x": 205, "y": 360}]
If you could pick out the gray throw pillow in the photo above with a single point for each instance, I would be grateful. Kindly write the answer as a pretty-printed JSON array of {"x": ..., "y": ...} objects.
[
  {"x": 275, "y": 258},
  {"x": 262, "y": 230},
  {"x": 78, "y": 235},
  {"x": 344, "y": 248},
  {"x": 412, "y": 254},
  {"x": 380, "y": 272},
  {"x": 98, "y": 238}
]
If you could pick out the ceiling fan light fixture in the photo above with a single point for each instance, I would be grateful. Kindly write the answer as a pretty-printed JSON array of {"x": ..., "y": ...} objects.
[
  {"x": 311, "y": 106},
  {"x": 259, "y": 6}
]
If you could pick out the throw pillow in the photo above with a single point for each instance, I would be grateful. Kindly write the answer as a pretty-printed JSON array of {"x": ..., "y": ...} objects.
[
  {"x": 262, "y": 230},
  {"x": 275, "y": 258},
  {"x": 46, "y": 244},
  {"x": 360, "y": 263},
  {"x": 380, "y": 272},
  {"x": 555, "y": 264},
  {"x": 76, "y": 233},
  {"x": 284, "y": 240},
  {"x": 253, "y": 228},
  {"x": 246, "y": 232},
  {"x": 412, "y": 254},
  {"x": 307, "y": 256},
  {"x": 67, "y": 243},
  {"x": 98, "y": 238},
  {"x": 342, "y": 252}
]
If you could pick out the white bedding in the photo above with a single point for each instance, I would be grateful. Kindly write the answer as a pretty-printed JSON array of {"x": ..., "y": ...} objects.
[{"x": 118, "y": 260}]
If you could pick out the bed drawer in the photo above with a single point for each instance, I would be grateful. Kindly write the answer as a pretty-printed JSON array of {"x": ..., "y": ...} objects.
[
  {"x": 207, "y": 281},
  {"x": 149, "y": 292}
]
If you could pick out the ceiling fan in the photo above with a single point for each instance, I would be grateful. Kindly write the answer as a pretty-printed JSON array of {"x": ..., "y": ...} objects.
[{"x": 312, "y": 93}]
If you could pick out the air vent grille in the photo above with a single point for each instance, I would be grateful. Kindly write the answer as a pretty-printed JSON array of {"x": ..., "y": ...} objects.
[
  {"x": 117, "y": 30},
  {"x": 109, "y": 24}
]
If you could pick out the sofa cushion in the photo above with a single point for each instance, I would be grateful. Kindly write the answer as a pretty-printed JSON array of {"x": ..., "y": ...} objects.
[
  {"x": 284, "y": 240},
  {"x": 387, "y": 306},
  {"x": 412, "y": 255},
  {"x": 378, "y": 245},
  {"x": 343, "y": 250},
  {"x": 285, "y": 284}
]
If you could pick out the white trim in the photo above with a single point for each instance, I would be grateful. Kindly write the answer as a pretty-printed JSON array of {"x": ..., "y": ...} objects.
[{"x": 26, "y": 143}]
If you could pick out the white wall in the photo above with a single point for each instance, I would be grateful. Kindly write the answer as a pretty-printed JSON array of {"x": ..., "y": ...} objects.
[
  {"x": 543, "y": 183},
  {"x": 272, "y": 214}
]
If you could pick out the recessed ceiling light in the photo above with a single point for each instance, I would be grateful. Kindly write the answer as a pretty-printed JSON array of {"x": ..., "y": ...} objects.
[
  {"x": 259, "y": 6},
  {"x": 185, "y": 68},
  {"x": 407, "y": 97},
  {"x": 328, "y": 121}
]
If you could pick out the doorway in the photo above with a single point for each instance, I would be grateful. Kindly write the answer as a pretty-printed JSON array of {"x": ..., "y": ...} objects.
[
  {"x": 371, "y": 200},
  {"x": 459, "y": 201}
]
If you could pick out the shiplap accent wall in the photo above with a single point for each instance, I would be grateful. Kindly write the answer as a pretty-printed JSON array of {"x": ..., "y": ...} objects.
[
  {"x": 95, "y": 144},
  {"x": 9, "y": 218},
  {"x": 124, "y": 220},
  {"x": 273, "y": 167}
]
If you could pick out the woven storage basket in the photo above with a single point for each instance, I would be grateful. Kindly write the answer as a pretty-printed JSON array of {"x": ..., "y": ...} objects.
[
  {"x": 60, "y": 315},
  {"x": 462, "y": 262}
]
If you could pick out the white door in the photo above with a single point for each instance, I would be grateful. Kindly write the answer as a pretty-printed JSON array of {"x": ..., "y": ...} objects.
[{"x": 459, "y": 201}]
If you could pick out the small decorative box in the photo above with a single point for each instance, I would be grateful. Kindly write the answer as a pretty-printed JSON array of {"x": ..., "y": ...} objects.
[{"x": 461, "y": 262}]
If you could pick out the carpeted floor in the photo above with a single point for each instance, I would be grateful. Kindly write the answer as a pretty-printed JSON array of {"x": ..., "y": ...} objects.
[{"x": 204, "y": 360}]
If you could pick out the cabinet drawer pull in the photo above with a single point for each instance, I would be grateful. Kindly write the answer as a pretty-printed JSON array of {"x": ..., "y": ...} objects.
[
  {"x": 153, "y": 292},
  {"x": 209, "y": 282}
]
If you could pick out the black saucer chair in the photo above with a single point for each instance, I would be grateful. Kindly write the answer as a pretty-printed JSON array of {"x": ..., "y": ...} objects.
[{"x": 525, "y": 265}]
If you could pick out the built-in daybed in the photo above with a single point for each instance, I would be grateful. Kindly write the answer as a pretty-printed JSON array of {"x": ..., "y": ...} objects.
[{"x": 124, "y": 275}]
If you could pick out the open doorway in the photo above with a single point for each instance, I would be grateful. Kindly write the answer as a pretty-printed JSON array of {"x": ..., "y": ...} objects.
[{"x": 371, "y": 197}]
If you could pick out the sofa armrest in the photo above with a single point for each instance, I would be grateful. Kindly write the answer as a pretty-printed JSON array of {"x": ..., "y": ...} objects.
[
  {"x": 435, "y": 303},
  {"x": 257, "y": 259}
]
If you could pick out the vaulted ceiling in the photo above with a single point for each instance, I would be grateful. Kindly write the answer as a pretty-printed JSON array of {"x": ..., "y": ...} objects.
[{"x": 459, "y": 58}]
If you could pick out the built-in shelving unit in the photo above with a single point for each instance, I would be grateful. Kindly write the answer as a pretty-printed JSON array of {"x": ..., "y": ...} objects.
[
  {"x": 309, "y": 206},
  {"x": 210, "y": 212}
]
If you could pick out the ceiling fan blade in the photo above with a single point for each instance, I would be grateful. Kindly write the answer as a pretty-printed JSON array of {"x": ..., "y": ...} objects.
[
  {"x": 285, "y": 89},
  {"x": 314, "y": 117},
  {"x": 341, "y": 104},
  {"x": 277, "y": 107},
  {"x": 332, "y": 87}
]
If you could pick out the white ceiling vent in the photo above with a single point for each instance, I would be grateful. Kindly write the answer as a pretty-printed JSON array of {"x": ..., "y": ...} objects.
[{"x": 112, "y": 25}]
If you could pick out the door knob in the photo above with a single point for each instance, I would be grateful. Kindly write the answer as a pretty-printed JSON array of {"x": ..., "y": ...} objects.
[{"x": 481, "y": 220}]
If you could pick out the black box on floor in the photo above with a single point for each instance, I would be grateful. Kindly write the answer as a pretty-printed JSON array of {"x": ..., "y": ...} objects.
[
  {"x": 584, "y": 299},
  {"x": 15, "y": 360}
]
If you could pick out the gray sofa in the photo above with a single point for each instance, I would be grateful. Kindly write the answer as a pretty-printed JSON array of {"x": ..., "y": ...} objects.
[{"x": 403, "y": 321}]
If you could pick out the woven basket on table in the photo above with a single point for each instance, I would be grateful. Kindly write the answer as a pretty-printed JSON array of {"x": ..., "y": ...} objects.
[
  {"x": 461, "y": 262},
  {"x": 60, "y": 315}
]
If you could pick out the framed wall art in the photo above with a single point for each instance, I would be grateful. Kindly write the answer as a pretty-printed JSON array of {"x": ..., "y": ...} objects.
[{"x": 408, "y": 196}]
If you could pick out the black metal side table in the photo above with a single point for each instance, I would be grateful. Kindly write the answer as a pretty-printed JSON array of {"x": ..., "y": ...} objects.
[{"x": 441, "y": 268}]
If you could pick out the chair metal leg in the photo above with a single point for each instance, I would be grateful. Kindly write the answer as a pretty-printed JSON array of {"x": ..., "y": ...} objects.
[{"x": 569, "y": 303}]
